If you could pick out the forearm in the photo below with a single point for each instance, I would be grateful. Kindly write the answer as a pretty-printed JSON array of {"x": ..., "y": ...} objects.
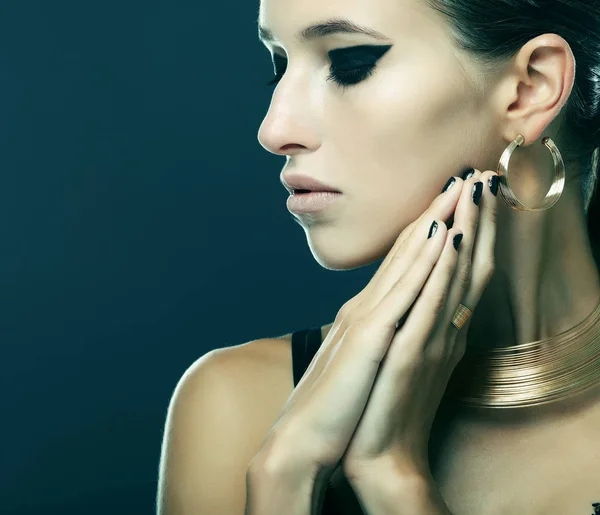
[
  {"x": 388, "y": 494},
  {"x": 292, "y": 490}
]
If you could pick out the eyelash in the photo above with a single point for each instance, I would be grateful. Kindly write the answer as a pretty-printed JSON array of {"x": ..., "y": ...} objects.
[{"x": 343, "y": 78}]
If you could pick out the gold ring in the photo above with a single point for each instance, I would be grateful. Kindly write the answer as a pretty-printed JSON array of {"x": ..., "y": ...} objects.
[{"x": 461, "y": 316}]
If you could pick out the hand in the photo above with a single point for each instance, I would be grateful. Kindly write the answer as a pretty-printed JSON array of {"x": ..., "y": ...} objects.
[
  {"x": 324, "y": 421},
  {"x": 393, "y": 432}
]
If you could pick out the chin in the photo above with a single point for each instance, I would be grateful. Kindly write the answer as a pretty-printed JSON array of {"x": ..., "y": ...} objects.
[{"x": 346, "y": 252}]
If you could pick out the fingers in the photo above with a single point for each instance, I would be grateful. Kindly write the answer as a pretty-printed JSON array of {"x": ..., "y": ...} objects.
[
  {"x": 466, "y": 219},
  {"x": 399, "y": 298},
  {"x": 431, "y": 302},
  {"x": 475, "y": 257},
  {"x": 395, "y": 265},
  {"x": 483, "y": 258},
  {"x": 409, "y": 244},
  {"x": 442, "y": 208},
  {"x": 458, "y": 276}
]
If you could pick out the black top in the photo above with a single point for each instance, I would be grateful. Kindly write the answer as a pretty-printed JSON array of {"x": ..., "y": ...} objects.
[{"x": 305, "y": 344}]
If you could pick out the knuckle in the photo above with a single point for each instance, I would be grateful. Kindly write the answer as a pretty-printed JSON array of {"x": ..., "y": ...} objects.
[{"x": 435, "y": 352}]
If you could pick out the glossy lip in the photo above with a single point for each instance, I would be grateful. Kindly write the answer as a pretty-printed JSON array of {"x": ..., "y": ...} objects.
[{"x": 294, "y": 182}]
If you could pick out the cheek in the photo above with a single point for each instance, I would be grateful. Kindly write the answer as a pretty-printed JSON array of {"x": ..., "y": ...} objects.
[
  {"x": 407, "y": 119},
  {"x": 413, "y": 112},
  {"x": 404, "y": 135}
]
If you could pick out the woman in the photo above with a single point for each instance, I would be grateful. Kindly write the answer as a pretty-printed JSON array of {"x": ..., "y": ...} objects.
[{"x": 465, "y": 378}]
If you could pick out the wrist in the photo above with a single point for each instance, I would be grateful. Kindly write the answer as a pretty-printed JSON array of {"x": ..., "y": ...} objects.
[
  {"x": 386, "y": 490},
  {"x": 276, "y": 485}
]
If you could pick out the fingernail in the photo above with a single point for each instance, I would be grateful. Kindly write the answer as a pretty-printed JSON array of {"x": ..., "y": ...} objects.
[
  {"x": 449, "y": 184},
  {"x": 468, "y": 173},
  {"x": 433, "y": 229},
  {"x": 456, "y": 240},
  {"x": 477, "y": 191},
  {"x": 493, "y": 184}
]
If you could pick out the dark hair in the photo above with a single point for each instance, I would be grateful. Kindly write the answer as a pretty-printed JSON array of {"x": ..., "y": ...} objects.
[{"x": 494, "y": 31}]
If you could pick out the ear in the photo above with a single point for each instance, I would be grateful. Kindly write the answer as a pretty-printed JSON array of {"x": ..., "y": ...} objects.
[{"x": 536, "y": 85}]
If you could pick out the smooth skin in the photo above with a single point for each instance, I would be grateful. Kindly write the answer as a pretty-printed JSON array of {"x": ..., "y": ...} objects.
[
  {"x": 398, "y": 373},
  {"x": 428, "y": 111},
  {"x": 389, "y": 144}
]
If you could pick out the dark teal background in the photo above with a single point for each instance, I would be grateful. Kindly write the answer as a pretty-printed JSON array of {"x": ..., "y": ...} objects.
[{"x": 142, "y": 225}]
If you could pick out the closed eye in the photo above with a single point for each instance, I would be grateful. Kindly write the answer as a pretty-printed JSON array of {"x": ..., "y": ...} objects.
[{"x": 349, "y": 65}]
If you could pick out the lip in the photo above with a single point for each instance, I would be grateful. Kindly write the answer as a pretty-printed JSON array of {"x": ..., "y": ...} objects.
[
  {"x": 311, "y": 203},
  {"x": 293, "y": 182}
]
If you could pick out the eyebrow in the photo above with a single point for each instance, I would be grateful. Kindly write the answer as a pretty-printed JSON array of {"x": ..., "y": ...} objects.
[{"x": 325, "y": 28}]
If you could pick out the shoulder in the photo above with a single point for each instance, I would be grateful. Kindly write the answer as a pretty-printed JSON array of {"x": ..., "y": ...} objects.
[
  {"x": 249, "y": 382},
  {"x": 256, "y": 375},
  {"x": 221, "y": 409},
  {"x": 241, "y": 369}
]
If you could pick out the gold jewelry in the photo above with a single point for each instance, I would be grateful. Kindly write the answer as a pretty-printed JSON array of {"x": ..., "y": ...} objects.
[
  {"x": 558, "y": 184},
  {"x": 508, "y": 195},
  {"x": 538, "y": 372},
  {"x": 461, "y": 316},
  {"x": 532, "y": 373}
]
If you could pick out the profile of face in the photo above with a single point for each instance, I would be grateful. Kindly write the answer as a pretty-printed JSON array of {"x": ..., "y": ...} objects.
[{"x": 387, "y": 135}]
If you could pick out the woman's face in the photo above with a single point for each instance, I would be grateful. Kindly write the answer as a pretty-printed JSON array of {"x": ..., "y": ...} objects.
[{"x": 390, "y": 142}]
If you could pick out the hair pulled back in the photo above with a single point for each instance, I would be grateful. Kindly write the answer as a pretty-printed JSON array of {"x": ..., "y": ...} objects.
[{"x": 494, "y": 31}]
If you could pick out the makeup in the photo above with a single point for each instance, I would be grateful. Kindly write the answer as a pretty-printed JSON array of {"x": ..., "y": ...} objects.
[{"x": 311, "y": 202}]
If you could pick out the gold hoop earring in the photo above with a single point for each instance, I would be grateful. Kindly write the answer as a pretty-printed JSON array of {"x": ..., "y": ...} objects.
[{"x": 555, "y": 190}]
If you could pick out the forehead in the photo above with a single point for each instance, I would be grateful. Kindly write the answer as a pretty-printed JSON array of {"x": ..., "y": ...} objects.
[{"x": 286, "y": 18}]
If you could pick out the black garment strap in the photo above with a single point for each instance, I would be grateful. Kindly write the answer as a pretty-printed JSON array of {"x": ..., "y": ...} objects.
[{"x": 305, "y": 344}]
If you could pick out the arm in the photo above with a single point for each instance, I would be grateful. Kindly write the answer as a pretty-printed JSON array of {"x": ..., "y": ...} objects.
[
  {"x": 386, "y": 492},
  {"x": 275, "y": 486}
]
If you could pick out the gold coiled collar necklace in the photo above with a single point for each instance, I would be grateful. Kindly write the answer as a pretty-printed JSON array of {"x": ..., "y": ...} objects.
[{"x": 530, "y": 374}]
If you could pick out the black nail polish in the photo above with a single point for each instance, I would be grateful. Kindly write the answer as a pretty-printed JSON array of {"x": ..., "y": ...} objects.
[
  {"x": 433, "y": 229},
  {"x": 477, "y": 191},
  {"x": 467, "y": 174},
  {"x": 456, "y": 240},
  {"x": 493, "y": 184},
  {"x": 449, "y": 184}
]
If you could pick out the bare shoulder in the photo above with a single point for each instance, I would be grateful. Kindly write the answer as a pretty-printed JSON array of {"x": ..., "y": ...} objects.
[
  {"x": 258, "y": 377},
  {"x": 254, "y": 379},
  {"x": 219, "y": 414},
  {"x": 261, "y": 373}
]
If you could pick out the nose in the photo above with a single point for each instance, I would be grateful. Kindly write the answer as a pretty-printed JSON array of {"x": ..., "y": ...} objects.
[{"x": 286, "y": 129}]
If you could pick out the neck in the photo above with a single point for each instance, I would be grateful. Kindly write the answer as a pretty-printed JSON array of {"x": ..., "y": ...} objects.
[{"x": 546, "y": 280}]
